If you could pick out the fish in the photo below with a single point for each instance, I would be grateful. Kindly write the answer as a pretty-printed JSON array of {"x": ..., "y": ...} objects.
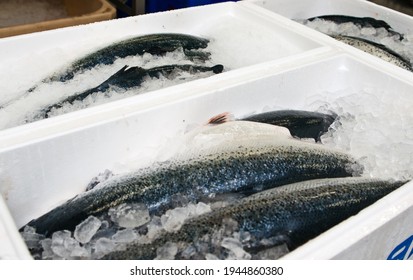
[
  {"x": 155, "y": 44},
  {"x": 293, "y": 214},
  {"x": 301, "y": 124},
  {"x": 376, "y": 49},
  {"x": 129, "y": 77},
  {"x": 360, "y": 22},
  {"x": 239, "y": 156}
]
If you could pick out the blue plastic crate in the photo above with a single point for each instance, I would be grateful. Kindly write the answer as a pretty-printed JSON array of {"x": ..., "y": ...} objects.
[{"x": 153, "y": 6}]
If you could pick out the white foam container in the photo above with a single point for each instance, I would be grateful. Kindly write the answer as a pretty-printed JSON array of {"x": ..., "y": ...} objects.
[
  {"x": 303, "y": 9},
  {"x": 45, "y": 163}
]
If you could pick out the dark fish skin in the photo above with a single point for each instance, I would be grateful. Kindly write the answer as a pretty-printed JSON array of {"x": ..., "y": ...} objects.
[
  {"x": 247, "y": 169},
  {"x": 156, "y": 44},
  {"x": 298, "y": 213},
  {"x": 376, "y": 49},
  {"x": 359, "y": 21},
  {"x": 302, "y": 124},
  {"x": 128, "y": 77}
]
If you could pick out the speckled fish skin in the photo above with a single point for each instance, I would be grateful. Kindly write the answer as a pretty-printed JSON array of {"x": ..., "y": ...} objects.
[
  {"x": 302, "y": 124},
  {"x": 127, "y": 78},
  {"x": 299, "y": 212},
  {"x": 375, "y": 49},
  {"x": 359, "y": 21},
  {"x": 245, "y": 166},
  {"x": 156, "y": 44}
]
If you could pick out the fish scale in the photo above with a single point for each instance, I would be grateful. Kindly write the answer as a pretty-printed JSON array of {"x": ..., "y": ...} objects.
[
  {"x": 299, "y": 212},
  {"x": 243, "y": 165}
]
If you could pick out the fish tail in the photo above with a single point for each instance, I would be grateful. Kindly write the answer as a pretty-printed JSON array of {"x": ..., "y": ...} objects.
[{"x": 217, "y": 68}]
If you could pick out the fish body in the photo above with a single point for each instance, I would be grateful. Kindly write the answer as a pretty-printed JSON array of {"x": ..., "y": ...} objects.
[
  {"x": 375, "y": 49},
  {"x": 243, "y": 160},
  {"x": 293, "y": 213},
  {"x": 156, "y": 44},
  {"x": 128, "y": 77},
  {"x": 302, "y": 124},
  {"x": 359, "y": 21}
]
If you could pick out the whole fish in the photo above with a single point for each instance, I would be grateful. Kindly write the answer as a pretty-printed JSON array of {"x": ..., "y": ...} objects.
[
  {"x": 302, "y": 124},
  {"x": 360, "y": 22},
  {"x": 375, "y": 49},
  {"x": 232, "y": 157},
  {"x": 293, "y": 213},
  {"x": 128, "y": 77},
  {"x": 156, "y": 44}
]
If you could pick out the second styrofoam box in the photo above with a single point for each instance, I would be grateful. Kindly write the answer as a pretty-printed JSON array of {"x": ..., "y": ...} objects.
[
  {"x": 40, "y": 174},
  {"x": 239, "y": 37}
]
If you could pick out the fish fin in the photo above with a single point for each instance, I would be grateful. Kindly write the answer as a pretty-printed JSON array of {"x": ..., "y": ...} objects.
[{"x": 220, "y": 118}]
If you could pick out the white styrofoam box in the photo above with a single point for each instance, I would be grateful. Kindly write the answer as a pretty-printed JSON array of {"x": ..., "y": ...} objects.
[
  {"x": 12, "y": 246},
  {"x": 37, "y": 175},
  {"x": 240, "y": 37},
  {"x": 303, "y": 9}
]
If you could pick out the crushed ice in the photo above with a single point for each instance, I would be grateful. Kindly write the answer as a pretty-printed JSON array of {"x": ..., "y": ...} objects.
[
  {"x": 23, "y": 107},
  {"x": 97, "y": 236}
]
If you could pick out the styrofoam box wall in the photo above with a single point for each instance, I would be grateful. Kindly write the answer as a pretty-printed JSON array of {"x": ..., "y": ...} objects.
[{"x": 45, "y": 163}]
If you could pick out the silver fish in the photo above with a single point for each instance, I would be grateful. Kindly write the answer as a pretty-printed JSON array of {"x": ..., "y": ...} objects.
[
  {"x": 375, "y": 49},
  {"x": 293, "y": 213},
  {"x": 232, "y": 157}
]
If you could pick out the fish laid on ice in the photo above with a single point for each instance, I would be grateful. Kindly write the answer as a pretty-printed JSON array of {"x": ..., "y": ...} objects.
[
  {"x": 129, "y": 77},
  {"x": 232, "y": 157},
  {"x": 293, "y": 214},
  {"x": 156, "y": 44},
  {"x": 375, "y": 49},
  {"x": 302, "y": 124},
  {"x": 359, "y": 21}
]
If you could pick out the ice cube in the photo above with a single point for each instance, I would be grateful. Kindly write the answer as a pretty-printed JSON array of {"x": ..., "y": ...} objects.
[
  {"x": 47, "y": 253},
  {"x": 167, "y": 251},
  {"x": 31, "y": 238},
  {"x": 80, "y": 253},
  {"x": 63, "y": 244},
  {"x": 125, "y": 236},
  {"x": 87, "y": 229},
  {"x": 173, "y": 219},
  {"x": 188, "y": 252},
  {"x": 210, "y": 256},
  {"x": 130, "y": 215},
  {"x": 154, "y": 228},
  {"x": 102, "y": 247},
  {"x": 235, "y": 248}
]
